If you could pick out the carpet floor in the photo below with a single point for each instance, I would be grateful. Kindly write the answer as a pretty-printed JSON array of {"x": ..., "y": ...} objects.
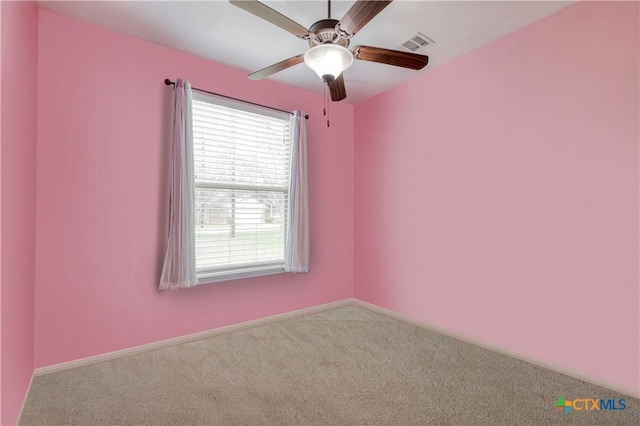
[{"x": 346, "y": 366}]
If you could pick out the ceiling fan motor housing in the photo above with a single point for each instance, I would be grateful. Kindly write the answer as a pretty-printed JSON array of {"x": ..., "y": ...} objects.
[{"x": 324, "y": 31}]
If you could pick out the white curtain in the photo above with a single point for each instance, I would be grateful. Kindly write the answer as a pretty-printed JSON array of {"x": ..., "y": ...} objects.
[
  {"x": 297, "y": 255},
  {"x": 179, "y": 270}
]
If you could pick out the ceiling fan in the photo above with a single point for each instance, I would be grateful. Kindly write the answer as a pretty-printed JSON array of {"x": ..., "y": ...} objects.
[{"x": 328, "y": 40}]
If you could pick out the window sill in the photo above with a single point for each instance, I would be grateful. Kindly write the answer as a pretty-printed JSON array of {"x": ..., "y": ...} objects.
[{"x": 216, "y": 277}]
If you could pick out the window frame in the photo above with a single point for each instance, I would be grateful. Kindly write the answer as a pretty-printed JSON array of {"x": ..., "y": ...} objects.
[{"x": 251, "y": 269}]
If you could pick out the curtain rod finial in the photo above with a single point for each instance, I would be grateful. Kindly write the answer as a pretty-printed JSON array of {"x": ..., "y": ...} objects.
[{"x": 168, "y": 82}]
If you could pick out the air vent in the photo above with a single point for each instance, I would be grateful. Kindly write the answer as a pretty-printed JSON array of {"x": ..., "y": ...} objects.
[{"x": 416, "y": 43}]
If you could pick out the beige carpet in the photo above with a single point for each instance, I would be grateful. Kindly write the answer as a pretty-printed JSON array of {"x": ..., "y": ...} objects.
[{"x": 340, "y": 367}]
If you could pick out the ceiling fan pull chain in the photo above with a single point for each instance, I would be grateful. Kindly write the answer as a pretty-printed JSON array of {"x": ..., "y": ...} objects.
[
  {"x": 325, "y": 108},
  {"x": 324, "y": 100}
]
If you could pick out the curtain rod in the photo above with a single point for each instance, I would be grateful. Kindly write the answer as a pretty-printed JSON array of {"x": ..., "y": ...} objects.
[{"x": 170, "y": 83}]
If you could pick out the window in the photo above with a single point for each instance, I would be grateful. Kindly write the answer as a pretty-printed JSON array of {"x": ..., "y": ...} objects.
[{"x": 241, "y": 166}]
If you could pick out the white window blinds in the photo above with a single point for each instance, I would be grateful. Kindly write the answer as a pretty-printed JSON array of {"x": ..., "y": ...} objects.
[{"x": 241, "y": 164}]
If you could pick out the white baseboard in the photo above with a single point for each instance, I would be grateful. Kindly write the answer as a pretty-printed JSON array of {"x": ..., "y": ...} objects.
[
  {"x": 527, "y": 358},
  {"x": 320, "y": 308},
  {"x": 189, "y": 338}
]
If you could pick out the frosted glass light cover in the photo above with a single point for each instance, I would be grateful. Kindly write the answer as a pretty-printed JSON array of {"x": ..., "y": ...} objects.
[{"x": 328, "y": 60}]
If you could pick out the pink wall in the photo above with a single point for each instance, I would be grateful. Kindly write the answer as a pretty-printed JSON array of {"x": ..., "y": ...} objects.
[
  {"x": 497, "y": 195},
  {"x": 18, "y": 180},
  {"x": 104, "y": 118}
]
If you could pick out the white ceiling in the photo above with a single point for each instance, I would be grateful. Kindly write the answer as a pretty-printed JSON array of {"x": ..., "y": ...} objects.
[{"x": 223, "y": 33}]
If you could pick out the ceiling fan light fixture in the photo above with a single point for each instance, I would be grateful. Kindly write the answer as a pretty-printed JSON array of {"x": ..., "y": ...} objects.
[{"x": 328, "y": 60}]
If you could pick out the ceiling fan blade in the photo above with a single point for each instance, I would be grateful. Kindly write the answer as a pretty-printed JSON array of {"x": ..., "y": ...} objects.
[
  {"x": 272, "y": 69},
  {"x": 337, "y": 89},
  {"x": 359, "y": 15},
  {"x": 390, "y": 57},
  {"x": 265, "y": 12}
]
